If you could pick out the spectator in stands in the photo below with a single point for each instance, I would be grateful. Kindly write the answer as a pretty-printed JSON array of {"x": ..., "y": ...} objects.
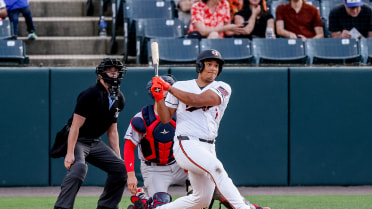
[
  {"x": 3, "y": 12},
  {"x": 235, "y": 6},
  {"x": 297, "y": 19},
  {"x": 183, "y": 9},
  {"x": 352, "y": 14},
  {"x": 211, "y": 19},
  {"x": 256, "y": 19},
  {"x": 14, "y": 7}
]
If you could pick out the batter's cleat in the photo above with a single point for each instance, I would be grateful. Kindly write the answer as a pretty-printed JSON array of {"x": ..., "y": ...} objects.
[
  {"x": 258, "y": 207},
  {"x": 130, "y": 207}
]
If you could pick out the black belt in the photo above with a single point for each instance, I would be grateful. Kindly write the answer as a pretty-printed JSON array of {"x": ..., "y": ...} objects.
[
  {"x": 148, "y": 163},
  {"x": 200, "y": 139}
]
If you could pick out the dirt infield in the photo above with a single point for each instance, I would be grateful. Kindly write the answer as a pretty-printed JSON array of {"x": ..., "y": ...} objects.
[{"x": 96, "y": 191}]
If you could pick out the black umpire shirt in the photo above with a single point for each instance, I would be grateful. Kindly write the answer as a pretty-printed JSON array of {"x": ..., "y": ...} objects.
[{"x": 93, "y": 104}]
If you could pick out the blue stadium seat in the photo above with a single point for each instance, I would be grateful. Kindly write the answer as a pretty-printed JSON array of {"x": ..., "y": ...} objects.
[
  {"x": 325, "y": 9},
  {"x": 146, "y": 29},
  {"x": 233, "y": 50},
  {"x": 176, "y": 50},
  {"x": 279, "y": 51},
  {"x": 5, "y": 29},
  {"x": 142, "y": 9},
  {"x": 274, "y": 4},
  {"x": 366, "y": 50},
  {"x": 315, "y": 3},
  {"x": 13, "y": 52},
  {"x": 333, "y": 51}
]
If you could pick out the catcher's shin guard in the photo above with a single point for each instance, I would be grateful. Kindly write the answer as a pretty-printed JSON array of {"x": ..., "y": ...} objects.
[{"x": 160, "y": 198}]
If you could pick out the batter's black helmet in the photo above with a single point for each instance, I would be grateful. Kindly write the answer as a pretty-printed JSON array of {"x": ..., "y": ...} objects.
[
  {"x": 166, "y": 78},
  {"x": 209, "y": 54},
  {"x": 111, "y": 62}
]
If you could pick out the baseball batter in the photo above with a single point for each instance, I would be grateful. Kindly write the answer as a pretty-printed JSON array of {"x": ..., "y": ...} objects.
[
  {"x": 200, "y": 105},
  {"x": 155, "y": 141}
]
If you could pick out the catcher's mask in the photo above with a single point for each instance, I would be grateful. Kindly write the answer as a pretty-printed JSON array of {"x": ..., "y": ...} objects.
[
  {"x": 209, "y": 54},
  {"x": 166, "y": 78},
  {"x": 113, "y": 83}
]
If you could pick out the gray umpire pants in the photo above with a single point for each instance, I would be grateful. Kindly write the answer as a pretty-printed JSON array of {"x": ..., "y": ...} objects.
[{"x": 102, "y": 156}]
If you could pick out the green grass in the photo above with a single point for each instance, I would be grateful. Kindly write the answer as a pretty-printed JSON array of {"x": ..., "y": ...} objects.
[{"x": 275, "y": 202}]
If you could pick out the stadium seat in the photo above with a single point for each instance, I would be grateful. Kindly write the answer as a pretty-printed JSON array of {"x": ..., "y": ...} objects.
[
  {"x": 325, "y": 9},
  {"x": 176, "y": 50},
  {"x": 146, "y": 29},
  {"x": 274, "y": 4},
  {"x": 278, "y": 51},
  {"x": 366, "y": 50},
  {"x": 13, "y": 52},
  {"x": 233, "y": 50},
  {"x": 142, "y": 9},
  {"x": 333, "y": 51},
  {"x": 5, "y": 29},
  {"x": 315, "y": 3}
]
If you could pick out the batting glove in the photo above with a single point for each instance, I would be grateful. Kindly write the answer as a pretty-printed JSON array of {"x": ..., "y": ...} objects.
[
  {"x": 157, "y": 91},
  {"x": 160, "y": 81}
]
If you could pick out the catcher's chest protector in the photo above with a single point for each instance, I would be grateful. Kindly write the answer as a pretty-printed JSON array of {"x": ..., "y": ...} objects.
[{"x": 158, "y": 141}]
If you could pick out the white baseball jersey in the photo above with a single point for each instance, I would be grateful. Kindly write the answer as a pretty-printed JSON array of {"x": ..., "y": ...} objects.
[
  {"x": 200, "y": 122},
  {"x": 206, "y": 172}
]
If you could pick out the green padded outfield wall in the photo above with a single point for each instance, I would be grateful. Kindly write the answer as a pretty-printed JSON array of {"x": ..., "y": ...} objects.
[
  {"x": 253, "y": 135},
  {"x": 24, "y": 125},
  {"x": 330, "y": 126},
  {"x": 328, "y": 142}
]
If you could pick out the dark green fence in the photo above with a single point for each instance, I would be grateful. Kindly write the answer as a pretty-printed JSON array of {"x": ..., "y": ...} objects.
[{"x": 283, "y": 126}]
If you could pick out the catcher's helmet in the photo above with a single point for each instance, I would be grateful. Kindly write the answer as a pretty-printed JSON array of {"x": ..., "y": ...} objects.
[
  {"x": 166, "y": 78},
  {"x": 107, "y": 63},
  {"x": 209, "y": 54}
]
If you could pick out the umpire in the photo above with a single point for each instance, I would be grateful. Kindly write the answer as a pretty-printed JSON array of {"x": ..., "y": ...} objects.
[{"x": 96, "y": 112}]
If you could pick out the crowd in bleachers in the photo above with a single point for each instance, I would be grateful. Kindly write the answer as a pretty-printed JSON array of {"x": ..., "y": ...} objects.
[
  {"x": 243, "y": 21},
  {"x": 296, "y": 21}
]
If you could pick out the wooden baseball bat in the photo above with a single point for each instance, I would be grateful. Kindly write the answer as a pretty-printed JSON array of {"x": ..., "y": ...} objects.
[{"x": 155, "y": 57}]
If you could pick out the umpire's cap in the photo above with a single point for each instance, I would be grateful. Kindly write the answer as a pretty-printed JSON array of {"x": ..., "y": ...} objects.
[
  {"x": 166, "y": 78},
  {"x": 209, "y": 54}
]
